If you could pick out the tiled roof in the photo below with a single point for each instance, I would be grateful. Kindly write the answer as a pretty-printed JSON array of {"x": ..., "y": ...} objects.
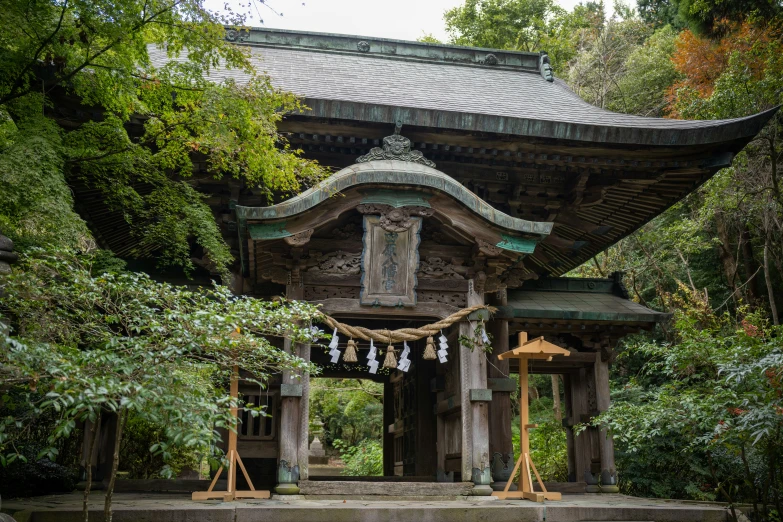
[
  {"x": 588, "y": 306},
  {"x": 385, "y": 83}
]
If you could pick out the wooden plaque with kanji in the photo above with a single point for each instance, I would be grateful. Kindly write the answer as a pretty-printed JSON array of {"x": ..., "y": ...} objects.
[{"x": 390, "y": 258}]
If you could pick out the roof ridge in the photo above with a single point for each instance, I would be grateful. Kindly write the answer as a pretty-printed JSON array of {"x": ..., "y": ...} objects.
[{"x": 384, "y": 47}]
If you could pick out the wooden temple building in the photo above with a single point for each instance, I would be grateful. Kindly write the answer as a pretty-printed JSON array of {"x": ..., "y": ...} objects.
[{"x": 462, "y": 176}]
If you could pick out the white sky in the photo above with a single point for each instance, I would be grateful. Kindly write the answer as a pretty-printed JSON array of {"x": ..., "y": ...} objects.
[{"x": 398, "y": 19}]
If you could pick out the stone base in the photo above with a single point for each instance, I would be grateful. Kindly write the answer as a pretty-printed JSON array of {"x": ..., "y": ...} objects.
[
  {"x": 320, "y": 461},
  {"x": 287, "y": 489},
  {"x": 481, "y": 491},
  {"x": 177, "y": 508}
]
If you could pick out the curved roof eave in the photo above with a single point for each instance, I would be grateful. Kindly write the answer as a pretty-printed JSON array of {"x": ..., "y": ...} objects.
[
  {"x": 392, "y": 172},
  {"x": 678, "y": 133}
]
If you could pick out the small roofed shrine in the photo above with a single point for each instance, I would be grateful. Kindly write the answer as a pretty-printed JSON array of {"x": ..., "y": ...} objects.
[{"x": 462, "y": 177}]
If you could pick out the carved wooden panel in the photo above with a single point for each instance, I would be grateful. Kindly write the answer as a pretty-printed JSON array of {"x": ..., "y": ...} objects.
[
  {"x": 458, "y": 299},
  {"x": 319, "y": 293},
  {"x": 389, "y": 263}
]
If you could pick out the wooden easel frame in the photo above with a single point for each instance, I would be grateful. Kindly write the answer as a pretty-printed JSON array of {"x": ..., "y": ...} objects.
[
  {"x": 527, "y": 350},
  {"x": 231, "y": 492}
]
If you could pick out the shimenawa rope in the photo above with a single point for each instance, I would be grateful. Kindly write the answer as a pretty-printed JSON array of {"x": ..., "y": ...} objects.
[{"x": 403, "y": 334}]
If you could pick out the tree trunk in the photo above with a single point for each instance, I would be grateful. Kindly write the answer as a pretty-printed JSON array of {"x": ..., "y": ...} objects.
[
  {"x": 750, "y": 264},
  {"x": 725, "y": 253},
  {"x": 767, "y": 277},
  {"x": 93, "y": 436},
  {"x": 556, "y": 397},
  {"x": 122, "y": 415}
]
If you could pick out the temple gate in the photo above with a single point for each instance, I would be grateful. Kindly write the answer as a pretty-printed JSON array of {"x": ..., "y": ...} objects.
[{"x": 462, "y": 177}]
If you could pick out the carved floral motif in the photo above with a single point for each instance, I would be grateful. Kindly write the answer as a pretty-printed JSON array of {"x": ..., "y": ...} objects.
[
  {"x": 396, "y": 147},
  {"x": 234, "y": 35}
]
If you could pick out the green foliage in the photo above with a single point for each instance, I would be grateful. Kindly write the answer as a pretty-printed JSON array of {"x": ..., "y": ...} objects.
[
  {"x": 145, "y": 127},
  {"x": 713, "y": 400},
  {"x": 649, "y": 72},
  {"x": 521, "y": 25},
  {"x": 350, "y": 409},
  {"x": 36, "y": 207},
  {"x": 363, "y": 459},
  {"x": 86, "y": 343},
  {"x": 136, "y": 457}
]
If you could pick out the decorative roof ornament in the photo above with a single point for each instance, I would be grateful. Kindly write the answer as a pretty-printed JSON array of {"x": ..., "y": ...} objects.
[
  {"x": 545, "y": 68},
  {"x": 398, "y": 148}
]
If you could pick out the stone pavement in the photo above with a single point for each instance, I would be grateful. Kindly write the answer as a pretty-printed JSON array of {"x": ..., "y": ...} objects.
[{"x": 152, "y": 507}]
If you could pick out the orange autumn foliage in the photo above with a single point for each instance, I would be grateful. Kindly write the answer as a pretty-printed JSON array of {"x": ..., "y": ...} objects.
[{"x": 702, "y": 60}]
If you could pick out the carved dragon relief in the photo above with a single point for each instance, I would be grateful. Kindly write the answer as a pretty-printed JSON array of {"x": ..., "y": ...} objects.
[
  {"x": 395, "y": 219},
  {"x": 338, "y": 263},
  {"x": 396, "y": 147},
  {"x": 439, "y": 268}
]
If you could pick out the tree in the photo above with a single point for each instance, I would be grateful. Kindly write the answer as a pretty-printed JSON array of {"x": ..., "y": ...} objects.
[
  {"x": 601, "y": 63},
  {"x": 125, "y": 123},
  {"x": 648, "y": 74},
  {"x": 521, "y": 25},
  {"x": 715, "y": 396},
  {"x": 89, "y": 343}
]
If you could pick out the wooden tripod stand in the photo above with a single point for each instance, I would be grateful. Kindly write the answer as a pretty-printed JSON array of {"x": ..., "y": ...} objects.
[
  {"x": 231, "y": 492},
  {"x": 536, "y": 349}
]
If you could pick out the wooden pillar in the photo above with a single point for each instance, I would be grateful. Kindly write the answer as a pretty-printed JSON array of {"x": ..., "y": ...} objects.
[
  {"x": 473, "y": 390},
  {"x": 579, "y": 409},
  {"x": 501, "y": 447},
  {"x": 291, "y": 390},
  {"x": 388, "y": 437},
  {"x": 605, "y": 441},
  {"x": 569, "y": 420},
  {"x": 304, "y": 416}
]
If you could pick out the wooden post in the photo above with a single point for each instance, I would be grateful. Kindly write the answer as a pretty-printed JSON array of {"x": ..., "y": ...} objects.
[
  {"x": 524, "y": 416},
  {"x": 605, "y": 441},
  {"x": 569, "y": 415},
  {"x": 582, "y": 447},
  {"x": 501, "y": 448},
  {"x": 528, "y": 349},
  {"x": 475, "y": 422},
  {"x": 304, "y": 416},
  {"x": 233, "y": 458},
  {"x": 290, "y": 420}
]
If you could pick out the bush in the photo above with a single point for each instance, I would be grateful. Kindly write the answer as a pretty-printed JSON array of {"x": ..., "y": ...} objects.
[
  {"x": 364, "y": 459},
  {"x": 35, "y": 477}
]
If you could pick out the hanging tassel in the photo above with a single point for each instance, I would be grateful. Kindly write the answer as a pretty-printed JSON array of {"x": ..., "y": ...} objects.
[
  {"x": 350, "y": 352},
  {"x": 390, "y": 361},
  {"x": 429, "y": 351}
]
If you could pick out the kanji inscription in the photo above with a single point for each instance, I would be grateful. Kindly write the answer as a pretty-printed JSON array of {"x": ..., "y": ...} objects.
[{"x": 389, "y": 263}]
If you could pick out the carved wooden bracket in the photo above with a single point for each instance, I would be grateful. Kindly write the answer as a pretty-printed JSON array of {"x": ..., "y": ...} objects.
[
  {"x": 488, "y": 249},
  {"x": 300, "y": 239}
]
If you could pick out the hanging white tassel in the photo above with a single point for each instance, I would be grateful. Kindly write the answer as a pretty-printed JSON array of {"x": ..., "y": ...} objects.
[
  {"x": 444, "y": 346},
  {"x": 484, "y": 337},
  {"x": 371, "y": 362},
  {"x": 404, "y": 363},
  {"x": 334, "y": 352}
]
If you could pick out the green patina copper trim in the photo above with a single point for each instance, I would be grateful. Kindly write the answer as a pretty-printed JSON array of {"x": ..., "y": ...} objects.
[
  {"x": 396, "y": 198},
  {"x": 403, "y": 174},
  {"x": 517, "y": 244},
  {"x": 268, "y": 231}
]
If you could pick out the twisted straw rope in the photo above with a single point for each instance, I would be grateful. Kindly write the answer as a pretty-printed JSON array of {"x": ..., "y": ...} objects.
[{"x": 403, "y": 334}]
